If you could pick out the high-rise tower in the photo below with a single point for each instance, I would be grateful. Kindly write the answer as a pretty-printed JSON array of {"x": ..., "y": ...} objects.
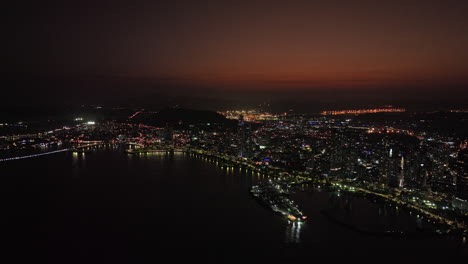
[
  {"x": 241, "y": 136},
  {"x": 401, "y": 176}
]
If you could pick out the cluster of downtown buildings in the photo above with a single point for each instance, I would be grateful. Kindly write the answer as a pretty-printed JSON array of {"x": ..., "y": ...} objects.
[
  {"x": 334, "y": 148},
  {"x": 397, "y": 156}
]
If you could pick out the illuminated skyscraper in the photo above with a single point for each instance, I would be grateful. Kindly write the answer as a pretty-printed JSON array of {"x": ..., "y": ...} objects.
[
  {"x": 401, "y": 176},
  {"x": 241, "y": 135}
]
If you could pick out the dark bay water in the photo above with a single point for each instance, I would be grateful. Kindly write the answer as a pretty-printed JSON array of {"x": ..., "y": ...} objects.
[{"x": 108, "y": 206}]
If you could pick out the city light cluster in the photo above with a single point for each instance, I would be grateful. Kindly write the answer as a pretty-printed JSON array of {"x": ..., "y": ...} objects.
[
  {"x": 363, "y": 111},
  {"x": 249, "y": 115},
  {"x": 391, "y": 130},
  {"x": 410, "y": 162}
]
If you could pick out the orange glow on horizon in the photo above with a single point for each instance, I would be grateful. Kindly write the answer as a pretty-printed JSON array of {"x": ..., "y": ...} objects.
[{"x": 309, "y": 80}]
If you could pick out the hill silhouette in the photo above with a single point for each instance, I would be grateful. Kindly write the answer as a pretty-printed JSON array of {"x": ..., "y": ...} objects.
[{"x": 173, "y": 116}]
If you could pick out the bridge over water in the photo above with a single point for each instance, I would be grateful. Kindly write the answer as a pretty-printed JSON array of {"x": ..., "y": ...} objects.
[{"x": 87, "y": 146}]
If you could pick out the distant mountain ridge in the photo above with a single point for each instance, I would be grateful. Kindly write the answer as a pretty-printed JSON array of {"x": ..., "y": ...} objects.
[{"x": 174, "y": 116}]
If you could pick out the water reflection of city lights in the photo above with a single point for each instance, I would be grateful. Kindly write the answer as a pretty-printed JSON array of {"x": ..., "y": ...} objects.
[{"x": 293, "y": 232}]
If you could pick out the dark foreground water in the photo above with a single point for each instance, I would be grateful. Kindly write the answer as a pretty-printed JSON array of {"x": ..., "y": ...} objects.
[{"x": 109, "y": 207}]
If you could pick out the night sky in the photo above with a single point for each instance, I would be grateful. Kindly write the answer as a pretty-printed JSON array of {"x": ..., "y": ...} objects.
[{"x": 369, "y": 51}]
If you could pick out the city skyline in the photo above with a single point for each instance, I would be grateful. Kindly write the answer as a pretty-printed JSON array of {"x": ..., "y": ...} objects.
[{"x": 234, "y": 131}]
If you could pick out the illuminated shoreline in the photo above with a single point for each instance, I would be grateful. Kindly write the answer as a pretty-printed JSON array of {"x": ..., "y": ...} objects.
[{"x": 338, "y": 185}]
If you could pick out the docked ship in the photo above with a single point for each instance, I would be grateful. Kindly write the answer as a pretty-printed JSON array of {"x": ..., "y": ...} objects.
[{"x": 273, "y": 196}]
